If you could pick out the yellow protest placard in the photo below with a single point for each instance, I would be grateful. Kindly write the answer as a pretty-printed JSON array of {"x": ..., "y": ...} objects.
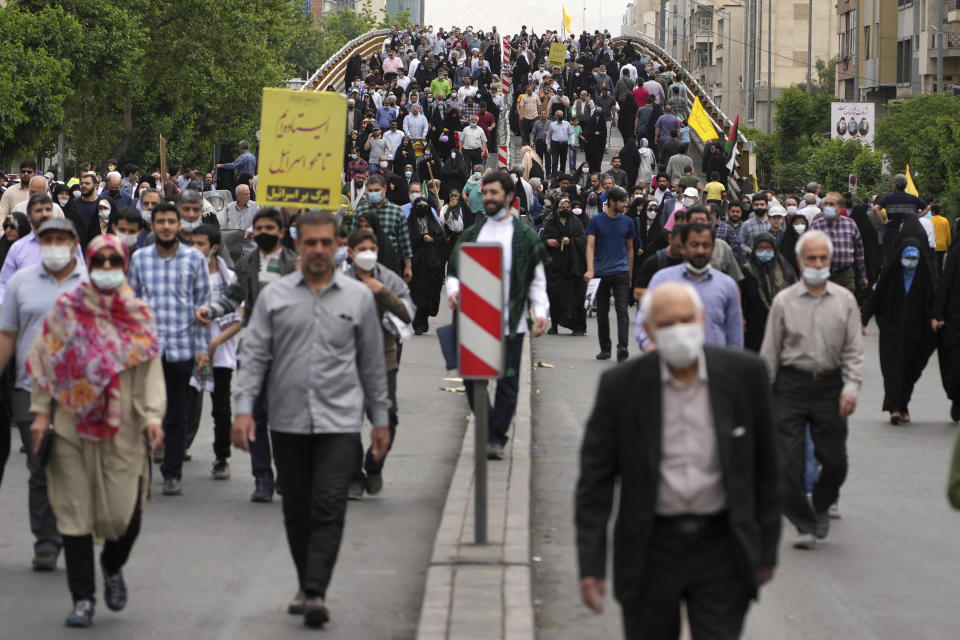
[
  {"x": 301, "y": 148},
  {"x": 558, "y": 54}
]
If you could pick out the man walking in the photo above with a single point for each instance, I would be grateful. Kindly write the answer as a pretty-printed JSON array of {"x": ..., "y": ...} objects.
[
  {"x": 524, "y": 287},
  {"x": 173, "y": 279},
  {"x": 687, "y": 429},
  {"x": 847, "y": 267},
  {"x": 814, "y": 354},
  {"x": 315, "y": 339},
  {"x": 29, "y": 296},
  {"x": 391, "y": 219},
  {"x": 558, "y": 139},
  {"x": 610, "y": 238}
]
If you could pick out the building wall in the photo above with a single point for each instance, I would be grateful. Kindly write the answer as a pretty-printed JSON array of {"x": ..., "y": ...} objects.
[
  {"x": 640, "y": 18},
  {"x": 415, "y": 7}
]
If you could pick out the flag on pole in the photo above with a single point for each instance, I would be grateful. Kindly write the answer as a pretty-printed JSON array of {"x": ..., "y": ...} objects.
[
  {"x": 911, "y": 188},
  {"x": 699, "y": 121},
  {"x": 731, "y": 146},
  {"x": 567, "y": 21}
]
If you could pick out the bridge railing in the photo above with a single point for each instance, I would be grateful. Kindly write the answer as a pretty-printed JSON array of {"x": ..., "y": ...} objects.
[{"x": 333, "y": 72}]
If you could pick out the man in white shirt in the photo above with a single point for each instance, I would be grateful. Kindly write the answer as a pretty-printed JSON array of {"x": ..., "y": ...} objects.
[
  {"x": 416, "y": 124},
  {"x": 500, "y": 226},
  {"x": 473, "y": 142},
  {"x": 466, "y": 90},
  {"x": 394, "y": 138}
]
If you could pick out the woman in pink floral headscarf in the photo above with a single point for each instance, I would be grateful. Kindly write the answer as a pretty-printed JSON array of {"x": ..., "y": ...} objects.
[{"x": 97, "y": 372}]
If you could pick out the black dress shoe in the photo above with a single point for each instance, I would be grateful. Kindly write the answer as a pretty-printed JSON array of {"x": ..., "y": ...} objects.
[
  {"x": 579, "y": 332},
  {"x": 603, "y": 355},
  {"x": 552, "y": 331},
  {"x": 622, "y": 354}
]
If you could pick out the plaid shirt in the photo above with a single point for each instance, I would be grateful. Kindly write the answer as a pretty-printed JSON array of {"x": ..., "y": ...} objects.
[
  {"x": 847, "y": 244},
  {"x": 727, "y": 233},
  {"x": 393, "y": 222},
  {"x": 750, "y": 228},
  {"x": 174, "y": 288},
  {"x": 468, "y": 110}
]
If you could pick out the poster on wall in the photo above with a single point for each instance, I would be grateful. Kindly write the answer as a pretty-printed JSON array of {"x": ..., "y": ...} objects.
[{"x": 852, "y": 121}]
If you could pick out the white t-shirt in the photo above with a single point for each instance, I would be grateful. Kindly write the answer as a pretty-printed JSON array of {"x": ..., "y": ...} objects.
[
  {"x": 226, "y": 354},
  {"x": 473, "y": 137},
  {"x": 931, "y": 234}
]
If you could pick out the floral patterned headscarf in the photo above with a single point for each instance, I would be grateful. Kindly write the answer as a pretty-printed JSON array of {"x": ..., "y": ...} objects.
[{"x": 88, "y": 339}]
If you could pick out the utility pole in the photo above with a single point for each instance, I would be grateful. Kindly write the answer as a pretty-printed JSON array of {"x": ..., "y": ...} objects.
[
  {"x": 663, "y": 21},
  {"x": 728, "y": 53},
  {"x": 810, "y": 48},
  {"x": 769, "y": 66},
  {"x": 750, "y": 57},
  {"x": 940, "y": 45}
]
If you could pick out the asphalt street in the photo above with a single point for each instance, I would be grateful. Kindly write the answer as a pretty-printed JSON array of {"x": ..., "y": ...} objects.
[
  {"x": 886, "y": 571},
  {"x": 210, "y": 564}
]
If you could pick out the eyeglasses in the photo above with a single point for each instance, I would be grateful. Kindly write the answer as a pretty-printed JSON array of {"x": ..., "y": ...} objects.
[
  {"x": 99, "y": 261},
  {"x": 8, "y": 225}
]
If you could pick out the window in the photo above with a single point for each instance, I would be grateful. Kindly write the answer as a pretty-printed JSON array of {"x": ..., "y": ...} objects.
[
  {"x": 847, "y": 26},
  {"x": 704, "y": 55},
  {"x": 866, "y": 42},
  {"x": 706, "y": 23},
  {"x": 904, "y": 60}
]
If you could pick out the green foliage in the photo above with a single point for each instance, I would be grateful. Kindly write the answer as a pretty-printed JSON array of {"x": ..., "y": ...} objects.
[
  {"x": 799, "y": 115},
  {"x": 35, "y": 66}
]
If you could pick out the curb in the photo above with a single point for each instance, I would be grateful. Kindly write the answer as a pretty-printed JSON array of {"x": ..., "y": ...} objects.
[{"x": 484, "y": 592}]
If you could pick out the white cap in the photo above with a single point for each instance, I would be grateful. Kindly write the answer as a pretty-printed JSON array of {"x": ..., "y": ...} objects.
[
  {"x": 777, "y": 211},
  {"x": 691, "y": 192}
]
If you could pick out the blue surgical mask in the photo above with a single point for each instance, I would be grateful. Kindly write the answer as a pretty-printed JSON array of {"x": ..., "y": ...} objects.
[
  {"x": 107, "y": 279},
  {"x": 189, "y": 226},
  {"x": 375, "y": 197},
  {"x": 829, "y": 213},
  {"x": 500, "y": 215},
  {"x": 764, "y": 255},
  {"x": 909, "y": 263},
  {"x": 340, "y": 256}
]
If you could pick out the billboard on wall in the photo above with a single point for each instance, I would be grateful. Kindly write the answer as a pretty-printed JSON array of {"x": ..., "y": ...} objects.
[{"x": 852, "y": 121}]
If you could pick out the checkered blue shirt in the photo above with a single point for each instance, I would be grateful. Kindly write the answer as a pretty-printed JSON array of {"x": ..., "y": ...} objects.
[{"x": 174, "y": 288}]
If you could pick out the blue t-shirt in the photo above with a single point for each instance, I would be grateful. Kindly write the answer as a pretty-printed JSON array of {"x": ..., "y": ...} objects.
[{"x": 610, "y": 249}]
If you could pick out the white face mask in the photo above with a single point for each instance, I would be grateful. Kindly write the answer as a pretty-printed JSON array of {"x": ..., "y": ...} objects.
[
  {"x": 63, "y": 200},
  {"x": 365, "y": 260},
  {"x": 107, "y": 279},
  {"x": 147, "y": 216},
  {"x": 129, "y": 239},
  {"x": 679, "y": 344},
  {"x": 188, "y": 226},
  {"x": 816, "y": 277},
  {"x": 689, "y": 202},
  {"x": 55, "y": 257},
  {"x": 384, "y": 164},
  {"x": 76, "y": 193},
  {"x": 408, "y": 174},
  {"x": 800, "y": 228},
  {"x": 104, "y": 214},
  {"x": 577, "y": 211},
  {"x": 651, "y": 214}
]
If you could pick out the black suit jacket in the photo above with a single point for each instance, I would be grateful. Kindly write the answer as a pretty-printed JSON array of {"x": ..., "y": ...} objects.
[{"x": 623, "y": 439}]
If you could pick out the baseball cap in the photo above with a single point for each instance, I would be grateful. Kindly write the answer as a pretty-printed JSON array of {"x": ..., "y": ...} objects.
[
  {"x": 58, "y": 224},
  {"x": 777, "y": 211},
  {"x": 691, "y": 192}
]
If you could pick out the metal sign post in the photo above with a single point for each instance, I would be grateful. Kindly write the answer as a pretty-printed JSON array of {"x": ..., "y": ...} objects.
[{"x": 480, "y": 351}]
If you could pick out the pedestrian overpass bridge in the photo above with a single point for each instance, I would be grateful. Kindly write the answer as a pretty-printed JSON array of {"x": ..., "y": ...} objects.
[{"x": 331, "y": 76}]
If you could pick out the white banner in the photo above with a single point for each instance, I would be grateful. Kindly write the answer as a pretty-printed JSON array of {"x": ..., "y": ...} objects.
[{"x": 852, "y": 121}]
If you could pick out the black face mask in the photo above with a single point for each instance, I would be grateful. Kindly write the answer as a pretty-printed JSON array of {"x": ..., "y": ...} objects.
[
  {"x": 266, "y": 241},
  {"x": 114, "y": 193}
]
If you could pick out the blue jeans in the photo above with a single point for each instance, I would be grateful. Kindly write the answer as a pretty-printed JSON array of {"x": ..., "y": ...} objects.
[
  {"x": 572, "y": 158},
  {"x": 500, "y": 415},
  {"x": 260, "y": 448},
  {"x": 813, "y": 467}
]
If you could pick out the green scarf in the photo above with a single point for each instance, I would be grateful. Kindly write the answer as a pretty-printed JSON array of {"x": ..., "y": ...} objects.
[{"x": 528, "y": 252}]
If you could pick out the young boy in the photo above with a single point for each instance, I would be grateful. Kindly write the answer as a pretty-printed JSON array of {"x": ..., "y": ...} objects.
[
  {"x": 223, "y": 356},
  {"x": 576, "y": 139},
  {"x": 715, "y": 191}
]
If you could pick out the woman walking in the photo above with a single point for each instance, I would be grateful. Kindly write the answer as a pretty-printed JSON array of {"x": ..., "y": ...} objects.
[
  {"x": 98, "y": 358},
  {"x": 766, "y": 273}
]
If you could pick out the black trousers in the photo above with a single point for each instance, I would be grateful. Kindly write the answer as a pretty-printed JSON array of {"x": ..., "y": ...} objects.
[
  {"x": 500, "y": 415},
  {"x": 78, "y": 554},
  {"x": 800, "y": 401},
  {"x": 696, "y": 567},
  {"x": 619, "y": 284},
  {"x": 558, "y": 156},
  {"x": 314, "y": 474},
  {"x": 177, "y": 377},
  {"x": 541, "y": 149},
  {"x": 369, "y": 464},
  {"x": 473, "y": 156},
  {"x": 220, "y": 412}
]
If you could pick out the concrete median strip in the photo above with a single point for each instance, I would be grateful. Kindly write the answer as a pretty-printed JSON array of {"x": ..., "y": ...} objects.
[{"x": 483, "y": 592}]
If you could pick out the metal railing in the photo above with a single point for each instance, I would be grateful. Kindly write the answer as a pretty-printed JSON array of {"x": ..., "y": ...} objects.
[{"x": 333, "y": 71}]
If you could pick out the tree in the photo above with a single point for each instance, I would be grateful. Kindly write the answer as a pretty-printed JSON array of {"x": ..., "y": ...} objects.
[{"x": 35, "y": 84}]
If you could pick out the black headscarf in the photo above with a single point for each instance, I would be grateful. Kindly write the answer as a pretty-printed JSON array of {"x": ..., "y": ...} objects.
[
  {"x": 387, "y": 255},
  {"x": 772, "y": 277},
  {"x": 23, "y": 229}
]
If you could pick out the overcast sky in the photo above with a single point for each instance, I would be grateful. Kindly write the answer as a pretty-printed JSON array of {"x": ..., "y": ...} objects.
[{"x": 509, "y": 15}]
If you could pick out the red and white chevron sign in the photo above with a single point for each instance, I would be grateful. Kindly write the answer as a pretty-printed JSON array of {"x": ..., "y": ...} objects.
[
  {"x": 502, "y": 156},
  {"x": 480, "y": 323}
]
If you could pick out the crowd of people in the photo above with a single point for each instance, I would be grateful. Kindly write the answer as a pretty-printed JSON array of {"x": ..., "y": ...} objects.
[{"x": 124, "y": 296}]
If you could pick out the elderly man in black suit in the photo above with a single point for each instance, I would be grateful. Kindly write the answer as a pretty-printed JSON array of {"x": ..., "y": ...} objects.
[{"x": 688, "y": 430}]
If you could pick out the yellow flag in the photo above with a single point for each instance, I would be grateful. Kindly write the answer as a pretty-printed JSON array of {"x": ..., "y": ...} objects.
[
  {"x": 567, "y": 21},
  {"x": 699, "y": 121},
  {"x": 911, "y": 188}
]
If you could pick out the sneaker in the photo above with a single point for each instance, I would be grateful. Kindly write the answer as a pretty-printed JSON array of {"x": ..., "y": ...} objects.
[
  {"x": 262, "y": 490},
  {"x": 82, "y": 614},
  {"x": 834, "y": 511},
  {"x": 805, "y": 541},
  {"x": 114, "y": 590},
  {"x": 374, "y": 483},
  {"x": 955, "y": 411},
  {"x": 295, "y": 608},
  {"x": 622, "y": 354},
  {"x": 221, "y": 470},
  {"x": 604, "y": 355},
  {"x": 45, "y": 561},
  {"x": 315, "y": 613},
  {"x": 494, "y": 451},
  {"x": 171, "y": 487},
  {"x": 355, "y": 490},
  {"x": 823, "y": 524}
]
